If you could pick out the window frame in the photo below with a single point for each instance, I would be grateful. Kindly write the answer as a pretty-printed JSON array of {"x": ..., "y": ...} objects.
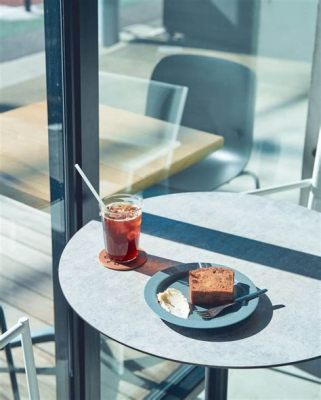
[{"x": 71, "y": 40}]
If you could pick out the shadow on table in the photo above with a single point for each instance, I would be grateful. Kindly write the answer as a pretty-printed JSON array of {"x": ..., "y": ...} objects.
[
  {"x": 155, "y": 264},
  {"x": 232, "y": 245},
  {"x": 251, "y": 326}
]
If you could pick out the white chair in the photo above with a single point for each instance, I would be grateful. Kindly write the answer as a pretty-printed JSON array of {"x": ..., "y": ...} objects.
[
  {"x": 313, "y": 183},
  {"x": 22, "y": 328}
]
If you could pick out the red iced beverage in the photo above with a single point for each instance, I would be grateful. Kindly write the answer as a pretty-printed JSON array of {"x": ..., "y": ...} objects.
[{"x": 122, "y": 219}]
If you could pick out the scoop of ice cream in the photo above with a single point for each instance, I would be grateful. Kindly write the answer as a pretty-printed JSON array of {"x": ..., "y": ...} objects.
[{"x": 173, "y": 301}]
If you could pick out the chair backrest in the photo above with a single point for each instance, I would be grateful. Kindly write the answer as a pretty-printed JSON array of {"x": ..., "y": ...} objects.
[
  {"x": 22, "y": 328},
  {"x": 220, "y": 99},
  {"x": 142, "y": 140},
  {"x": 313, "y": 183},
  {"x": 133, "y": 94}
]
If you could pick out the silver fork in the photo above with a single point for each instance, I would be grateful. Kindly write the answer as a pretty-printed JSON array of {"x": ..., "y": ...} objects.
[{"x": 213, "y": 312}]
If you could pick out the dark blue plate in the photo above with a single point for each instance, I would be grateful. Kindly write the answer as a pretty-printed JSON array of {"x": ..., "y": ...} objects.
[{"x": 177, "y": 277}]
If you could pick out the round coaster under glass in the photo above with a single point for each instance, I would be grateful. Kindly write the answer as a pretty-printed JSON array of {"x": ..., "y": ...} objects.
[{"x": 108, "y": 263}]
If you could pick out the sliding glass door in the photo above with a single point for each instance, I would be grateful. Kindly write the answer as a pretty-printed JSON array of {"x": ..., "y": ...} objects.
[
  {"x": 238, "y": 69},
  {"x": 49, "y": 121},
  {"x": 26, "y": 230}
]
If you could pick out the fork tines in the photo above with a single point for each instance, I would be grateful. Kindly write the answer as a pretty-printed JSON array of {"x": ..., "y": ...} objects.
[{"x": 212, "y": 312}]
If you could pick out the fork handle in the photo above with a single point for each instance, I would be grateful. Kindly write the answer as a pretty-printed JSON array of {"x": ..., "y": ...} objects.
[{"x": 250, "y": 296}]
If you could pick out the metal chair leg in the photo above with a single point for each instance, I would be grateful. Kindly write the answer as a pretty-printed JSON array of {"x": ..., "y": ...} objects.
[
  {"x": 11, "y": 367},
  {"x": 28, "y": 5},
  {"x": 254, "y": 176}
]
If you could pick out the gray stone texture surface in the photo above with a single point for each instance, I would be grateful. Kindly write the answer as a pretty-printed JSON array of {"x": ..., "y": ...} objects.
[{"x": 276, "y": 244}]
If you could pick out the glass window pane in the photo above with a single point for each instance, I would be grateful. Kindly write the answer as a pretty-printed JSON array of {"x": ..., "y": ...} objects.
[
  {"x": 134, "y": 140},
  {"x": 246, "y": 67},
  {"x": 26, "y": 287},
  {"x": 126, "y": 373},
  {"x": 272, "y": 146}
]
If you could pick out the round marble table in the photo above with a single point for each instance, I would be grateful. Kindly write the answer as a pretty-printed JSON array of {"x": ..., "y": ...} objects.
[{"x": 276, "y": 244}]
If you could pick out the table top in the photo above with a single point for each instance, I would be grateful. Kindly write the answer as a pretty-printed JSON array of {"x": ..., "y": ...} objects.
[
  {"x": 276, "y": 244},
  {"x": 133, "y": 155}
]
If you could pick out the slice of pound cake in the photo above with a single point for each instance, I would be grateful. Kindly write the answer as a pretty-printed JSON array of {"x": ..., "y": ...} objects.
[{"x": 211, "y": 286}]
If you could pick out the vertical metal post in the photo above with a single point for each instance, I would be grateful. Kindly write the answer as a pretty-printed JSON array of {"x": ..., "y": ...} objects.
[
  {"x": 216, "y": 383},
  {"x": 29, "y": 360},
  {"x": 109, "y": 22},
  {"x": 314, "y": 110},
  {"x": 314, "y": 201},
  {"x": 71, "y": 29},
  {"x": 28, "y": 5}
]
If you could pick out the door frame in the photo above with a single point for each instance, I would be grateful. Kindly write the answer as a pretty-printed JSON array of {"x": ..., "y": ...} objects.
[{"x": 71, "y": 33}]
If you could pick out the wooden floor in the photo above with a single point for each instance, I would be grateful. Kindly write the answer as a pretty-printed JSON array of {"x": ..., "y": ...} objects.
[
  {"x": 25, "y": 286},
  {"x": 26, "y": 289}
]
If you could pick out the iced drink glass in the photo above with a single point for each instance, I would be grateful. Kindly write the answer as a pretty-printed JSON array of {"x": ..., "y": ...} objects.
[{"x": 122, "y": 218}]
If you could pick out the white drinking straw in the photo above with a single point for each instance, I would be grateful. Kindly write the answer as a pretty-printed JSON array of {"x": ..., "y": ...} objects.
[{"x": 93, "y": 191}]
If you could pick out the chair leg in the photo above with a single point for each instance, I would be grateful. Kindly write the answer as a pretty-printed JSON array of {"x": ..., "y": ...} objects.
[
  {"x": 254, "y": 176},
  {"x": 11, "y": 367}
]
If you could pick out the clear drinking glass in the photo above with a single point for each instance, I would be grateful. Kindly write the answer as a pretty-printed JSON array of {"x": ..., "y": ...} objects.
[{"x": 122, "y": 218}]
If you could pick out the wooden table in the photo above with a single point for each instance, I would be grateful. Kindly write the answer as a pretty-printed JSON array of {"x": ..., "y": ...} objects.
[
  {"x": 275, "y": 244},
  {"x": 133, "y": 152}
]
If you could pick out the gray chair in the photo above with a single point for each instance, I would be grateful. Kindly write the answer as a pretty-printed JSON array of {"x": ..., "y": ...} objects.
[{"x": 221, "y": 100}]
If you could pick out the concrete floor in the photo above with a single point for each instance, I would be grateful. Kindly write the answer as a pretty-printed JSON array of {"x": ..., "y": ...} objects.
[{"x": 286, "y": 383}]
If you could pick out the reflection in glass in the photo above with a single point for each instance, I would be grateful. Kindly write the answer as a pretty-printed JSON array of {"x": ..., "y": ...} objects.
[
  {"x": 134, "y": 143},
  {"x": 25, "y": 224},
  {"x": 265, "y": 38}
]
